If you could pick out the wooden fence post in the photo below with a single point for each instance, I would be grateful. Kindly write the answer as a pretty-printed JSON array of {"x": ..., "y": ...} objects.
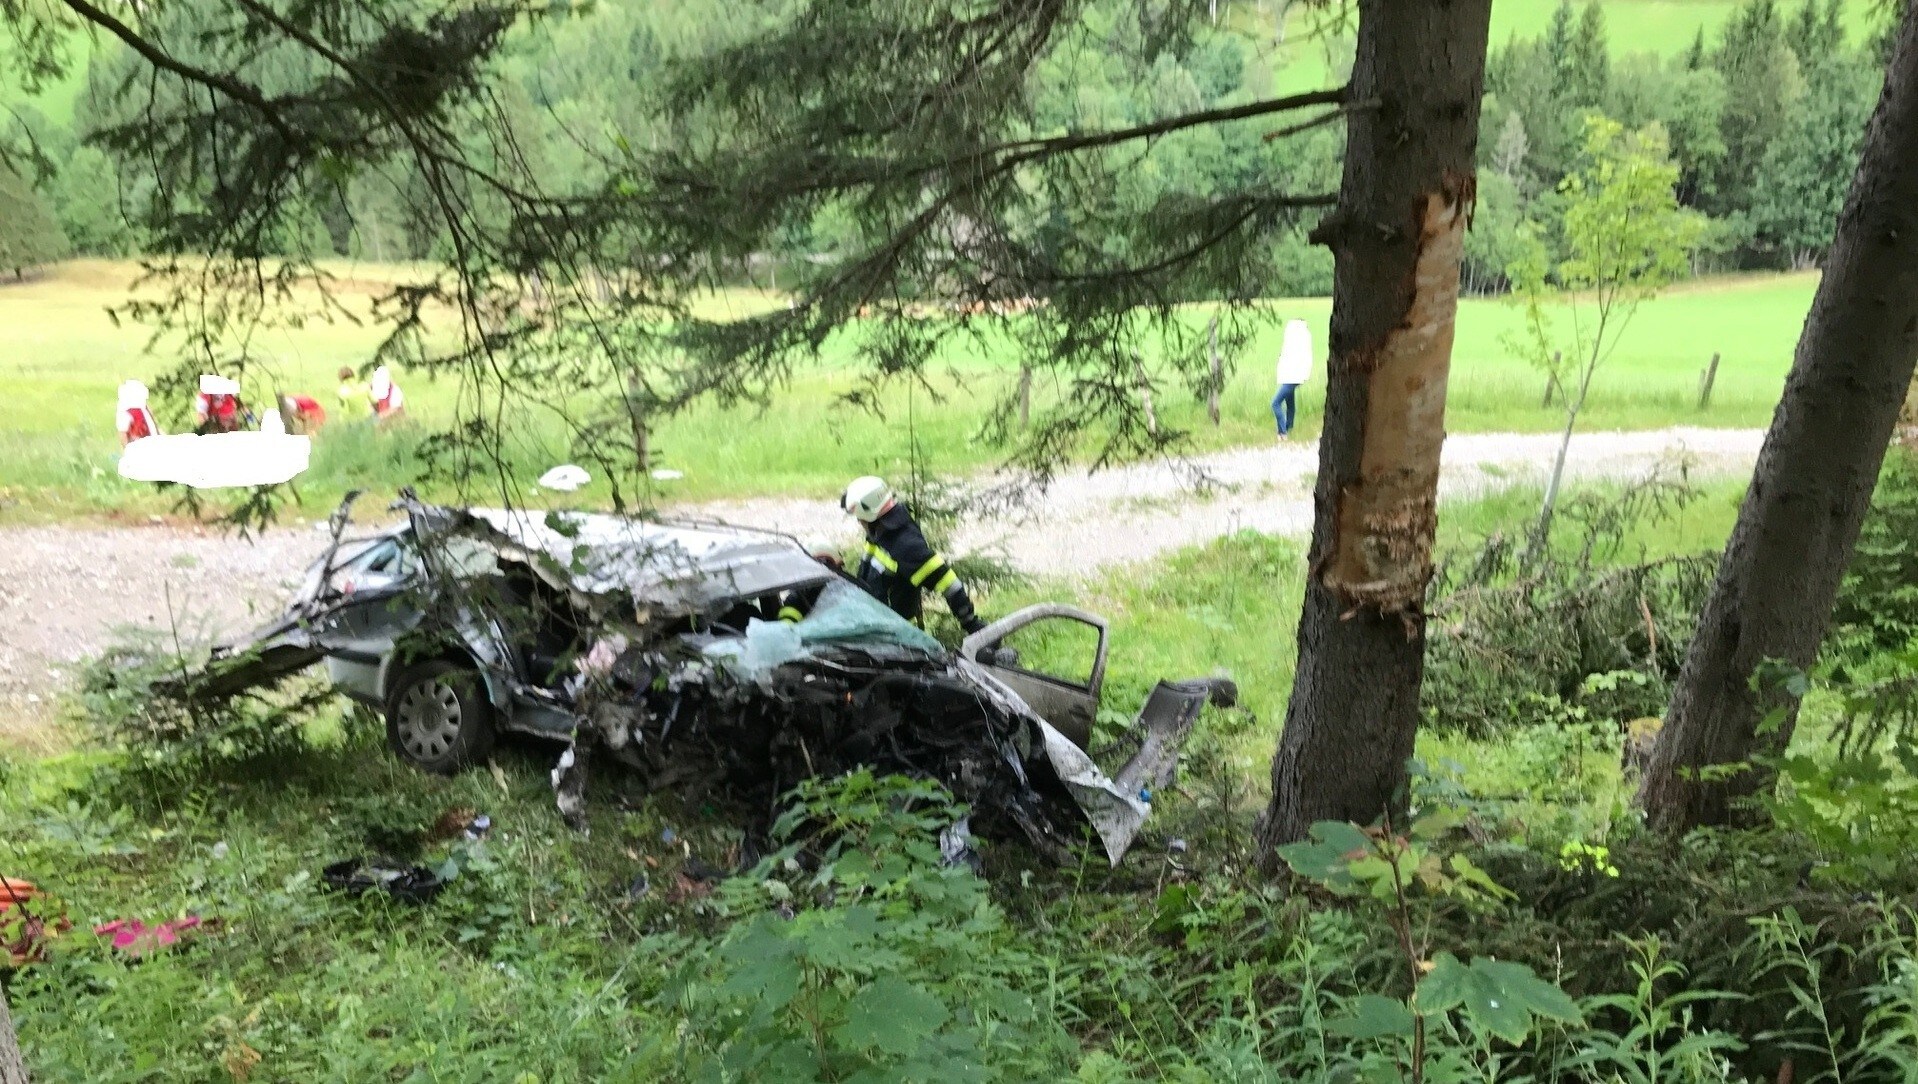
[
  {"x": 636, "y": 412},
  {"x": 1217, "y": 383},
  {"x": 1025, "y": 396},
  {"x": 1705, "y": 382},
  {"x": 1145, "y": 395}
]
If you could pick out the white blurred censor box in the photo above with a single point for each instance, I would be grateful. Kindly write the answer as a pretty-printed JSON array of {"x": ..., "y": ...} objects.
[{"x": 217, "y": 460}]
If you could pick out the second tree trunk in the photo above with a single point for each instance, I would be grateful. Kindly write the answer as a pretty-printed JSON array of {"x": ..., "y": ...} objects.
[{"x": 1800, "y": 518}]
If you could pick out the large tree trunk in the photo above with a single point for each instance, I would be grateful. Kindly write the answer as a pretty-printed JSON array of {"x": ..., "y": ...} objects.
[
  {"x": 13, "y": 1067},
  {"x": 1814, "y": 478},
  {"x": 1397, "y": 237}
]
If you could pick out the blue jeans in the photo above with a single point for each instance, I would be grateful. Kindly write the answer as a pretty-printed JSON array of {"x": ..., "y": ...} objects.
[{"x": 1285, "y": 405}]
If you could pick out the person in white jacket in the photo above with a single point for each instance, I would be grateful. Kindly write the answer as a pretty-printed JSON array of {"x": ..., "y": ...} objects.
[{"x": 1294, "y": 368}]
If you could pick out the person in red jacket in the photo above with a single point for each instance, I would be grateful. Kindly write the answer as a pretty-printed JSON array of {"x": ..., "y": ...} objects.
[
  {"x": 134, "y": 420},
  {"x": 302, "y": 413},
  {"x": 218, "y": 409}
]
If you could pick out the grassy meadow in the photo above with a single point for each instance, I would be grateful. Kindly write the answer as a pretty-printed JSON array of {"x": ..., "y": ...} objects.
[
  {"x": 61, "y": 357},
  {"x": 1306, "y": 58}
]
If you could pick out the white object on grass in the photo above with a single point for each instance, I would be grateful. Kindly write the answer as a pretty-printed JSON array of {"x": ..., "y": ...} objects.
[
  {"x": 665, "y": 474},
  {"x": 564, "y": 479},
  {"x": 217, "y": 460}
]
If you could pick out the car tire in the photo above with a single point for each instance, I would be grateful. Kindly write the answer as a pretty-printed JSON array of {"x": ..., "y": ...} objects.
[{"x": 438, "y": 718}]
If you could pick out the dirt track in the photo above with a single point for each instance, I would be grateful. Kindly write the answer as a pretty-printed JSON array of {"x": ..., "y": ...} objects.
[{"x": 64, "y": 590}]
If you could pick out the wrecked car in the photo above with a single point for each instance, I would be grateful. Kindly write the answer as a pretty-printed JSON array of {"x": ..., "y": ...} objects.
[{"x": 711, "y": 658}]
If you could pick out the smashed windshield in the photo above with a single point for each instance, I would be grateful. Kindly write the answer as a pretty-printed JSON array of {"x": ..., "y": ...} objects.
[{"x": 847, "y": 615}]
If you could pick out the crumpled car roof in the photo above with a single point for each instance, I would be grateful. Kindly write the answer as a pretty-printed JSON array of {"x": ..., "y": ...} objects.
[{"x": 672, "y": 567}]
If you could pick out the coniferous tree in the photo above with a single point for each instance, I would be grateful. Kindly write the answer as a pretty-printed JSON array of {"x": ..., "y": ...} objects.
[
  {"x": 1587, "y": 71},
  {"x": 87, "y": 199},
  {"x": 1762, "y": 86},
  {"x": 30, "y": 237},
  {"x": 1807, "y": 168}
]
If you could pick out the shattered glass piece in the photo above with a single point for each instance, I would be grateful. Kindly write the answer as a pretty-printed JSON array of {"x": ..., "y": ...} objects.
[
  {"x": 766, "y": 646},
  {"x": 847, "y": 615},
  {"x": 771, "y": 643}
]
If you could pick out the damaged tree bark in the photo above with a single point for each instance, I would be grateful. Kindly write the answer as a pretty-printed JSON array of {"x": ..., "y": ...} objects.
[
  {"x": 1800, "y": 519},
  {"x": 1397, "y": 238}
]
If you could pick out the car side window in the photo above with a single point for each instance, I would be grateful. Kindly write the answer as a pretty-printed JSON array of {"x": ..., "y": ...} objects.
[
  {"x": 385, "y": 557},
  {"x": 370, "y": 565},
  {"x": 1058, "y": 648}
]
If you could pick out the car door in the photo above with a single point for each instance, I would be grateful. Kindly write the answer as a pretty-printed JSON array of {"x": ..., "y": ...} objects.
[{"x": 1054, "y": 657}]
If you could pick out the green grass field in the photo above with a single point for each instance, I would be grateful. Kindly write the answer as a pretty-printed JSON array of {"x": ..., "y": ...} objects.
[{"x": 61, "y": 358}]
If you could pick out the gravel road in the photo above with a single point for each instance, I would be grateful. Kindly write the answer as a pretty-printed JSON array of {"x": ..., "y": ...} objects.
[
  {"x": 1134, "y": 513},
  {"x": 63, "y": 590}
]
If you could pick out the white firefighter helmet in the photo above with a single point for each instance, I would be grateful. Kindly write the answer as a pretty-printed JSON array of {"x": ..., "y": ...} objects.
[{"x": 867, "y": 498}]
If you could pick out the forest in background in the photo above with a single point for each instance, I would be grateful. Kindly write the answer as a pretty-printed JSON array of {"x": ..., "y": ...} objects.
[{"x": 1763, "y": 117}]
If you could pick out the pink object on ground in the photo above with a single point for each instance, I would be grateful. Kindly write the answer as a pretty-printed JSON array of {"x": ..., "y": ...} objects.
[{"x": 136, "y": 938}]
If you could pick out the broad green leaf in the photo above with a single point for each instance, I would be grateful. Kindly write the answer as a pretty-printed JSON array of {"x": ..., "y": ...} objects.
[
  {"x": 835, "y": 946},
  {"x": 1327, "y": 856},
  {"x": 1373, "y": 1017},
  {"x": 1469, "y": 873},
  {"x": 1497, "y": 996},
  {"x": 770, "y": 982},
  {"x": 1437, "y": 824},
  {"x": 892, "y": 1015},
  {"x": 1539, "y": 997}
]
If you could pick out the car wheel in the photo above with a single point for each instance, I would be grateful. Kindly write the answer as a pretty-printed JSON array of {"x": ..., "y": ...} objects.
[{"x": 438, "y": 717}]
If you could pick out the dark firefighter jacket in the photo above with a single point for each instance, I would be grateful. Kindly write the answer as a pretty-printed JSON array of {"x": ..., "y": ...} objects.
[{"x": 899, "y": 564}]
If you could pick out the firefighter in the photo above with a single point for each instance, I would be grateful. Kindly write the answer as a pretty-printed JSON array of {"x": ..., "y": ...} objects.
[{"x": 898, "y": 563}]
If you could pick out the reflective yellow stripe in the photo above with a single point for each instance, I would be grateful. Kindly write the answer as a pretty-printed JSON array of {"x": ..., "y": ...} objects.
[
  {"x": 932, "y": 565},
  {"x": 881, "y": 557},
  {"x": 787, "y": 613},
  {"x": 947, "y": 582}
]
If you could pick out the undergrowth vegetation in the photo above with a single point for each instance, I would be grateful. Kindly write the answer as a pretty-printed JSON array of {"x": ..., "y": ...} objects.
[
  {"x": 1519, "y": 925},
  {"x": 1587, "y": 628}
]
